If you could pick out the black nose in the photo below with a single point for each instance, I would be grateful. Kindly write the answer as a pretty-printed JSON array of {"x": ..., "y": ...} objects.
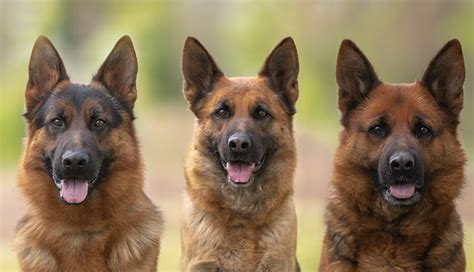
[
  {"x": 75, "y": 160},
  {"x": 402, "y": 161},
  {"x": 239, "y": 143}
]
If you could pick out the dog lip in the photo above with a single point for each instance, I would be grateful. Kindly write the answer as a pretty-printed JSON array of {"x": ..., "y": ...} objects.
[
  {"x": 57, "y": 181},
  {"x": 258, "y": 165},
  {"x": 387, "y": 195},
  {"x": 399, "y": 201},
  {"x": 402, "y": 181}
]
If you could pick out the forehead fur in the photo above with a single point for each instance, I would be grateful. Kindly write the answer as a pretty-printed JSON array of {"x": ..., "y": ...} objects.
[
  {"x": 244, "y": 92},
  {"x": 400, "y": 102},
  {"x": 69, "y": 99}
]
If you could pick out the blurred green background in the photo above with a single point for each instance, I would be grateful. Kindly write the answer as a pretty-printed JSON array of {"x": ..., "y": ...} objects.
[{"x": 399, "y": 37}]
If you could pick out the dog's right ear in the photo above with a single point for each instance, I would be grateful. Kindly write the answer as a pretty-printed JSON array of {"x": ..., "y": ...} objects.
[
  {"x": 355, "y": 76},
  {"x": 199, "y": 70},
  {"x": 46, "y": 70}
]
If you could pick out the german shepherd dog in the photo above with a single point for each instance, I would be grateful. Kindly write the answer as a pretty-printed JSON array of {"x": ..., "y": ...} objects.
[
  {"x": 398, "y": 169},
  {"x": 238, "y": 208},
  {"x": 81, "y": 170}
]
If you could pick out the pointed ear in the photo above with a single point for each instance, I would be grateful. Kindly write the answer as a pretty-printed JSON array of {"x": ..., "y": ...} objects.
[
  {"x": 199, "y": 70},
  {"x": 281, "y": 68},
  {"x": 355, "y": 76},
  {"x": 119, "y": 71},
  {"x": 46, "y": 70},
  {"x": 444, "y": 77}
]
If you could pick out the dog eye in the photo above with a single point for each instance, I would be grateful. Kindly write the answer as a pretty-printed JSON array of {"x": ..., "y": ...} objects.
[
  {"x": 99, "y": 123},
  {"x": 222, "y": 113},
  {"x": 377, "y": 130},
  {"x": 262, "y": 114},
  {"x": 57, "y": 122},
  {"x": 423, "y": 131}
]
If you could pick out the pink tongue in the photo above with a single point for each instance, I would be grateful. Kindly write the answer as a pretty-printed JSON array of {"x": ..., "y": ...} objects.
[
  {"x": 402, "y": 191},
  {"x": 74, "y": 191},
  {"x": 240, "y": 172}
]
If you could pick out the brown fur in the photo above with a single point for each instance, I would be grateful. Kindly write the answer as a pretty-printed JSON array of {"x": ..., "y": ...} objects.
[
  {"x": 117, "y": 228},
  {"x": 225, "y": 228},
  {"x": 364, "y": 231}
]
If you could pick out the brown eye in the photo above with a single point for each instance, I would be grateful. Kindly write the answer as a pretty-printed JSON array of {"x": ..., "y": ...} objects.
[
  {"x": 222, "y": 113},
  {"x": 377, "y": 130},
  {"x": 99, "y": 123},
  {"x": 423, "y": 131},
  {"x": 57, "y": 122},
  {"x": 262, "y": 114}
]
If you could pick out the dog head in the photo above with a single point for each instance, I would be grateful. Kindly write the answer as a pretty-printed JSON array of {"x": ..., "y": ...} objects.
[
  {"x": 78, "y": 132},
  {"x": 404, "y": 135},
  {"x": 242, "y": 122}
]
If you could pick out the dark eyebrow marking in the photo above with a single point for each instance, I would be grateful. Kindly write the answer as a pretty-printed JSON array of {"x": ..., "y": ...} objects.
[
  {"x": 419, "y": 119},
  {"x": 382, "y": 120},
  {"x": 95, "y": 113},
  {"x": 262, "y": 105}
]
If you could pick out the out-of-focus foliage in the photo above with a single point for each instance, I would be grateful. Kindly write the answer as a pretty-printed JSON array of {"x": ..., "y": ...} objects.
[{"x": 399, "y": 37}]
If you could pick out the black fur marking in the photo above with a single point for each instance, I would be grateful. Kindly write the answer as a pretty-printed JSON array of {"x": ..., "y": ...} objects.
[
  {"x": 450, "y": 256},
  {"x": 339, "y": 243},
  {"x": 200, "y": 73}
]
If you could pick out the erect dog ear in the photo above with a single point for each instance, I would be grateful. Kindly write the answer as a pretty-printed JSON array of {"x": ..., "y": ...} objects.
[
  {"x": 119, "y": 71},
  {"x": 444, "y": 77},
  {"x": 46, "y": 70},
  {"x": 281, "y": 68},
  {"x": 355, "y": 76},
  {"x": 200, "y": 71}
]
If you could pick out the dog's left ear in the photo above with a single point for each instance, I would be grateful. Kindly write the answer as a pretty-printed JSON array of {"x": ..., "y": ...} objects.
[
  {"x": 281, "y": 68},
  {"x": 119, "y": 71},
  {"x": 444, "y": 77}
]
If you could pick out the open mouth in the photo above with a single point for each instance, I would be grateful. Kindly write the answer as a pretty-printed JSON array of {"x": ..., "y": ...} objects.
[
  {"x": 73, "y": 191},
  {"x": 402, "y": 194},
  {"x": 241, "y": 172}
]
